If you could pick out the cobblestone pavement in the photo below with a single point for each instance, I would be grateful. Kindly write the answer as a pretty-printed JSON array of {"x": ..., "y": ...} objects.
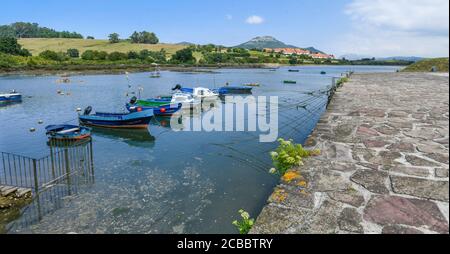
[{"x": 384, "y": 166}]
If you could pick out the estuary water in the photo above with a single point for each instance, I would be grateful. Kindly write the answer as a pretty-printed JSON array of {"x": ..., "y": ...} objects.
[{"x": 159, "y": 180}]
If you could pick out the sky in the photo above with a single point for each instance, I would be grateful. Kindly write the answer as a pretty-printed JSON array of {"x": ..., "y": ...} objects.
[{"x": 375, "y": 28}]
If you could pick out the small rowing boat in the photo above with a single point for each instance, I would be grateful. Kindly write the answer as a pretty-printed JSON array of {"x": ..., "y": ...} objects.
[
  {"x": 134, "y": 120},
  {"x": 252, "y": 84},
  {"x": 13, "y": 96},
  {"x": 67, "y": 132},
  {"x": 294, "y": 70},
  {"x": 290, "y": 82},
  {"x": 234, "y": 90}
]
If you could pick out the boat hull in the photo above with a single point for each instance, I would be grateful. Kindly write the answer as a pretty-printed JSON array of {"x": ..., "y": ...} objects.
[
  {"x": 67, "y": 132},
  {"x": 234, "y": 90},
  {"x": 134, "y": 120},
  {"x": 6, "y": 98},
  {"x": 162, "y": 110}
]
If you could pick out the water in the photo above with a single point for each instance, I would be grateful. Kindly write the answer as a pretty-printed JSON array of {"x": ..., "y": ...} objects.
[{"x": 165, "y": 181}]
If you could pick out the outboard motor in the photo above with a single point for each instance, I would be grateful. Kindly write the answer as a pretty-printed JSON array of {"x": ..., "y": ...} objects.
[
  {"x": 87, "y": 111},
  {"x": 133, "y": 100},
  {"x": 177, "y": 87}
]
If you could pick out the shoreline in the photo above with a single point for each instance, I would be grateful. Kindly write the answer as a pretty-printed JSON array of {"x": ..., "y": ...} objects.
[
  {"x": 108, "y": 69},
  {"x": 120, "y": 69}
]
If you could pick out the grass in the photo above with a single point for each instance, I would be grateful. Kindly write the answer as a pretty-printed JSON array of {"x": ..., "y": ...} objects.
[
  {"x": 427, "y": 64},
  {"x": 36, "y": 46}
]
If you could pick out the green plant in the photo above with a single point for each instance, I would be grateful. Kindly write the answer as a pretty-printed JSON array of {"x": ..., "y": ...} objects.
[
  {"x": 288, "y": 155},
  {"x": 341, "y": 81},
  {"x": 245, "y": 224}
]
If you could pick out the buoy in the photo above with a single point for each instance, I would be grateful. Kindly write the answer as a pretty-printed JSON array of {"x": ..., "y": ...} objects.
[
  {"x": 163, "y": 110},
  {"x": 32, "y": 129},
  {"x": 40, "y": 122},
  {"x": 79, "y": 109}
]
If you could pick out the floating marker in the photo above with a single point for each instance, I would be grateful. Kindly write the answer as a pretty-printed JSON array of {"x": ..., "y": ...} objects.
[
  {"x": 32, "y": 129},
  {"x": 40, "y": 122},
  {"x": 79, "y": 109}
]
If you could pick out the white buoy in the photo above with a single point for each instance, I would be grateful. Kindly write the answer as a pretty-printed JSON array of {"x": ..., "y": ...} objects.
[
  {"x": 32, "y": 129},
  {"x": 79, "y": 109},
  {"x": 40, "y": 122}
]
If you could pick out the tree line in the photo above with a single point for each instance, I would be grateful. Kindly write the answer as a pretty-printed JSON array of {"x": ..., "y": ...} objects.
[{"x": 33, "y": 30}]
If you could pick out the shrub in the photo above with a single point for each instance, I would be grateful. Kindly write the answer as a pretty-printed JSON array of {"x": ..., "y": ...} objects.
[
  {"x": 117, "y": 56},
  {"x": 183, "y": 56},
  {"x": 94, "y": 55},
  {"x": 133, "y": 55},
  {"x": 341, "y": 81},
  {"x": 245, "y": 224},
  {"x": 74, "y": 53},
  {"x": 288, "y": 155},
  {"x": 9, "y": 45},
  {"x": 52, "y": 55}
]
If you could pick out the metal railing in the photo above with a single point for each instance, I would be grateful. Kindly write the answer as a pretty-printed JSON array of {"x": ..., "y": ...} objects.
[{"x": 65, "y": 158}]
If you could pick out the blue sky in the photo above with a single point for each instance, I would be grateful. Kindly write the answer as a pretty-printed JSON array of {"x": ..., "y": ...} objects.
[{"x": 340, "y": 26}]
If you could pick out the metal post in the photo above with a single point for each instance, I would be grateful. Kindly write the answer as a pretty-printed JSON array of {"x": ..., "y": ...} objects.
[
  {"x": 91, "y": 159},
  {"x": 52, "y": 159},
  {"x": 66, "y": 159},
  {"x": 36, "y": 181}
]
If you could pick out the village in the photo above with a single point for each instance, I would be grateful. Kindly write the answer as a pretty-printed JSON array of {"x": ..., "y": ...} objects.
[{"x": 299, "y": 52}]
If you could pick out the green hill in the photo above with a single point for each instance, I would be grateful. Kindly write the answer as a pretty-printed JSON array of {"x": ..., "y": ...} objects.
[
  {"x": 426, "y": 65},
  {"x": 36, "y": 46}
]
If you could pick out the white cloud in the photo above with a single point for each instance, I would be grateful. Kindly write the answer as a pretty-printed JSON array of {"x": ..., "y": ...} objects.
[
  {"x": 229, "y": 17},
  {"x": 254, "y": 20},
  {"x": 398, "y": 27}
]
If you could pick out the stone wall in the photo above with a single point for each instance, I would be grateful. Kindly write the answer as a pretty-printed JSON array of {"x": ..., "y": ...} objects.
[{"x": 384, "y": 166}]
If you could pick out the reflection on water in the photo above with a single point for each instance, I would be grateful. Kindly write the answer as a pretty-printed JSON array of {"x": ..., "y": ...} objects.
[
  {"x": 160, "y": 180},
  {"x": 138, "y": 137}
]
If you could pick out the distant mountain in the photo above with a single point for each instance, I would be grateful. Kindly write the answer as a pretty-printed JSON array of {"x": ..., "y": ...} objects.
[
  {"x": 185, "y": 43},
  {"x": 264, "y": 42},
  {"x": 402, "y": 58},
  {"x": 314, "y": 50},
  {"x": 353, "y": 57}
]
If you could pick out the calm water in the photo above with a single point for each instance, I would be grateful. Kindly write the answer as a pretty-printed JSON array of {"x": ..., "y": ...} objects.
[{"x": 165, "y": 181}]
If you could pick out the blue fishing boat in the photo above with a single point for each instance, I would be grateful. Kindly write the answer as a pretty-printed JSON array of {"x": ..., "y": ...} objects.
[
  {"x": 234, "y": 90},
  {"x": 134, "y": 120},
  {"x": 11, "y": 97},
  {"x": 158, "y": 110},
  {"x": 67, "y": 132}
]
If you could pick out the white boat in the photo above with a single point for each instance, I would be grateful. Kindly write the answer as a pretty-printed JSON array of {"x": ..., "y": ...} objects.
[
  {"x": 201, "y": 93},
  {"x": 187, "y": 100},
  {"x": 13, "y": 96}
]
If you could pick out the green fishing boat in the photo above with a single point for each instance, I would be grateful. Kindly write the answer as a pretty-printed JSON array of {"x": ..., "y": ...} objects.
[
  {"x": 152, "y": 103},
  {"x": 290, "y": 82}
]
